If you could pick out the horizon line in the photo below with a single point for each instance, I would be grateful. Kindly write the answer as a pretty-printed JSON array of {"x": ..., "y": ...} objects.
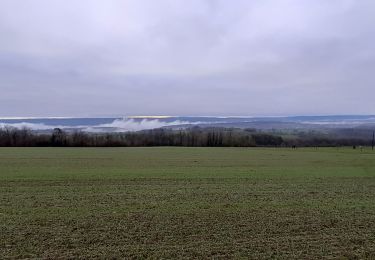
[{"x": 176, "y": 116}]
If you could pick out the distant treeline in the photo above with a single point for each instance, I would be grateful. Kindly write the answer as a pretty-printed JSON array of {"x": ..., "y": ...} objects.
[{"x": 205, "y": 137}]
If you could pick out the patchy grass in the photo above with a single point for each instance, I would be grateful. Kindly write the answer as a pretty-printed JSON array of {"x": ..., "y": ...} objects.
[{"x": 186, "y": 202}]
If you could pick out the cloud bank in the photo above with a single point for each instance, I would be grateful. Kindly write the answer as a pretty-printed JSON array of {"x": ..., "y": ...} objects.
[
  {"x": 123, "y": 125},
  {"x": 118, "y": 125},
  {"x": 198, "y": 57}
]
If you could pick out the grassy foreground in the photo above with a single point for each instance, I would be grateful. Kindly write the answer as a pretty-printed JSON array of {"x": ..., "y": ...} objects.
[{"x": 186, "y": 202}]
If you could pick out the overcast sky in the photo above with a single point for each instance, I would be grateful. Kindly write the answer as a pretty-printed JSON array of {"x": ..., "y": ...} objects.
[{"x": 179, "y": 57}]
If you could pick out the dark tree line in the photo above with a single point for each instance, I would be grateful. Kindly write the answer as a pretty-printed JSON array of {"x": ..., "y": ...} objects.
[{"x": 202, "y": 137}]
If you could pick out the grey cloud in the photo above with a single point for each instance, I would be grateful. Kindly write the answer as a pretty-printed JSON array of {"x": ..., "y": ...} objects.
[{"x": 92, "y": 57}]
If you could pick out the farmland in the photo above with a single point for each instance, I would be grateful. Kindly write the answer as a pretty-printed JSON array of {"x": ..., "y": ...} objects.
[{"x": 187, "y": 203}]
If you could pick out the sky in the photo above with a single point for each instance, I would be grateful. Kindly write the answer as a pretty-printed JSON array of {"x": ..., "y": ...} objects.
[{"x": 178, "y": 57}]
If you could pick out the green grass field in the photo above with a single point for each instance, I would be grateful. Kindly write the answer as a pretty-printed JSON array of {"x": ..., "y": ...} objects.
[{"x": 187, "y": 203}]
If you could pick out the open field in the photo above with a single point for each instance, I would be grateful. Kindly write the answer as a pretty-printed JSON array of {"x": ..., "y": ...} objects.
[{"x": 187, "y": 202}]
